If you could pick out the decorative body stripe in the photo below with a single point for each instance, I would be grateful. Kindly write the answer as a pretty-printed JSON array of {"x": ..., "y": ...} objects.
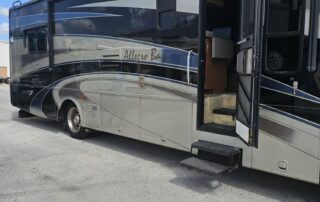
[
  {"x": 185, "y": 6},
  {"x": 143, "y": 4},
  {"x": 30, "y": 20},
  {"x": 277, "y": 86}
]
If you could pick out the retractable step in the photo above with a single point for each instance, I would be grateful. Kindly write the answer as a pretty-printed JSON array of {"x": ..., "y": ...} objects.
[
  {"x": 217, "y": 149},
  {"x": 204, "y": 166},
  {"x": 223, "y": 129},
  {"x": 213, "y": 158}
]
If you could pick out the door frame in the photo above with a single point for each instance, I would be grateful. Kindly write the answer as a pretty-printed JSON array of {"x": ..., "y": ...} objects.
[
  {"x": 259, "y": 32},
  {"x": 201, "y": 64},
  {"x": 201, "y": 74},
  {"x": 201, "y": 71}
]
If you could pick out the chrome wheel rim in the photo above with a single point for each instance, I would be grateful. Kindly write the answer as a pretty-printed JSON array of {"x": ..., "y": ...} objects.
[{"x": 74, "y": 120}]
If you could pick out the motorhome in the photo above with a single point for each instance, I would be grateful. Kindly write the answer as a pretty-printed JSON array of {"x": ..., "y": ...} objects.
[{"x": 234, "y": 82}]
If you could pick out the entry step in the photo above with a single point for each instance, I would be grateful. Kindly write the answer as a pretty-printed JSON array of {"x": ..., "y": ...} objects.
[
  {"x": 218, "y": 149},
  {"x": 225, "y": 111},
  {"x": 207, "y": 167},
  {"x": 224, "y": 129}
]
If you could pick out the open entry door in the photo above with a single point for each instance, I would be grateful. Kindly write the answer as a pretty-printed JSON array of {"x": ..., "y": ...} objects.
[{"x": 249, "y": 70}]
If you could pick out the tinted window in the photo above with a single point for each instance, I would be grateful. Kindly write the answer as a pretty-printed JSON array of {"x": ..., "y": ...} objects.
[
  {"x": 282, "y": 54},
  {"x": 283, "y": 16},
  {"x": 286, "y": 52},
  {"x": 248, "y": 12},
  {"x": 284, "y": 39},
  {"x": 37, "y": 41}
]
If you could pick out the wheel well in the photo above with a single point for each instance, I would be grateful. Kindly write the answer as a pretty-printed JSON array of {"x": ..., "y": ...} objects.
[{"x": 64, "y": 105}]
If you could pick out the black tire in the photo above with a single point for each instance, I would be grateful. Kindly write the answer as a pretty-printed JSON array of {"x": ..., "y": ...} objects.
[{"x": 72, "y": 123}]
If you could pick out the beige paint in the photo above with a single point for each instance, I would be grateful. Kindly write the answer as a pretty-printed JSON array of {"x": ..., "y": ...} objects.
[
  {"x": 4, "y": 59},
  {"x": 3, "y": 72}
]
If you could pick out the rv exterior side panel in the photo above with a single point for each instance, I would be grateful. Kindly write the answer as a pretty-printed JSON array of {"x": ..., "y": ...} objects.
[
  {"x": 284, "y": 140},
  {"x": 274, "y": 152},
  {"x": 117, "y": 77}
]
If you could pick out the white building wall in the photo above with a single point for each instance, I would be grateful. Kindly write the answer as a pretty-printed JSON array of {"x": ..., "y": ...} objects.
[{"x": 4, "y": 56}]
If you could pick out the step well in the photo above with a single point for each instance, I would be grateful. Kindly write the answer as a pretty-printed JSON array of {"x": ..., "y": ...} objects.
[
  {"x": 221, "y": 119},
  {"x": 220, "y": 109},
  {"x": 225, "y": 111},
  {"x": 229, "y": 101}
]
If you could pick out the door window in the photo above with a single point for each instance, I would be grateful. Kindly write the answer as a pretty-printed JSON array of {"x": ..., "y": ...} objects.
[{"x": 247, "y": 18}]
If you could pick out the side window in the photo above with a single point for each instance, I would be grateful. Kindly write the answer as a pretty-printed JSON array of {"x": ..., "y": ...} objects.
[
  {"x": 284, "y": 37},
  {"x": 284, "y": 16},
  {"x": 37, "y": 41},
  {"x": 166, "y": 13}
]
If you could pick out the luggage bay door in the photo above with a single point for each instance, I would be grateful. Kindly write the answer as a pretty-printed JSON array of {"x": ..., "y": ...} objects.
[{"x": 249, "y": 69}]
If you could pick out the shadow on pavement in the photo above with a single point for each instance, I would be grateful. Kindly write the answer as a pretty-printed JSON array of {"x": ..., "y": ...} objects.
[{"x": 40, "y": 123}]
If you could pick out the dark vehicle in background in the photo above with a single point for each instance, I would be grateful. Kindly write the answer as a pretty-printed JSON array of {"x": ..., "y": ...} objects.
[{"x": 6, "y": 80}]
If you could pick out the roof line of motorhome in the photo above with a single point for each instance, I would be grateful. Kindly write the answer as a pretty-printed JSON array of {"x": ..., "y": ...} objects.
[{"x": 24, "y": 4}]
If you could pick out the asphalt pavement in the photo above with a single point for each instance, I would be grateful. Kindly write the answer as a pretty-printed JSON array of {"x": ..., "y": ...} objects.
[{"x": 39, "y": 162}]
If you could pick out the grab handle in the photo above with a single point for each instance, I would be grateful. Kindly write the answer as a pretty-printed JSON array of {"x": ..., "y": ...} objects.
[
  {"x": 16, "y": 2},
  {"x": 188, "y": 67}
]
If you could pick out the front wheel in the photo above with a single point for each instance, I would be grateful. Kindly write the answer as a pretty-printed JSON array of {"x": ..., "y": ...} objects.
[{"x": 72, "y": 122}]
